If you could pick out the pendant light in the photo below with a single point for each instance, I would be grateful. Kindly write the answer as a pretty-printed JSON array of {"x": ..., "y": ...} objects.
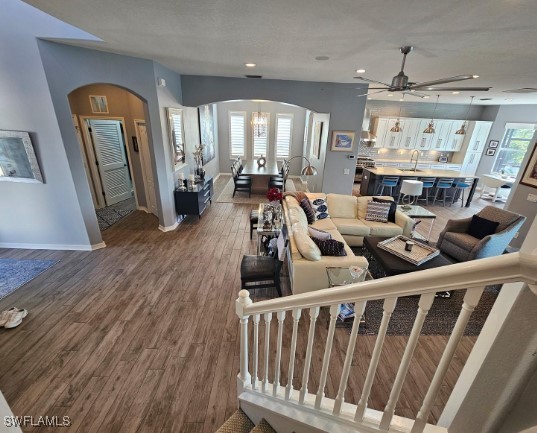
[
  {"x": 462, "y": 131},
  {"x": 259, "y": 122},
  {"x": 430, "y": 129},
  {"x": 397, "y": 127}
]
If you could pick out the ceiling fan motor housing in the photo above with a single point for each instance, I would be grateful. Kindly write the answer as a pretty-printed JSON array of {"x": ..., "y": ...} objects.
[{"x": 400, "y": 81}]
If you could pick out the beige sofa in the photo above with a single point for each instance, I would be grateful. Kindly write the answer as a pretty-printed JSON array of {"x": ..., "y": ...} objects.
[{"x": 307, "y": 268}]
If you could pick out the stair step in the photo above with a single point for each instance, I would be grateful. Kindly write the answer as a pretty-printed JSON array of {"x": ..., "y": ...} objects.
[
  {"x": 237, "y": 423},
  {"x": 263, "y": 427}
]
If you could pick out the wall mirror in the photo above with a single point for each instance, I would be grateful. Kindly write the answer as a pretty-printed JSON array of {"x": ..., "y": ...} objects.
[
  {"x": 18, "y": 162},
  {"x": 177, "y": 135}
]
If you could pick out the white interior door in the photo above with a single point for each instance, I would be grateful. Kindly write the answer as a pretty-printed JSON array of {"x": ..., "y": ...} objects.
[
  {"x": 147, "y": 169},
  {"x": 85, "y": 160},
  {"x": 110, "y": 153}
]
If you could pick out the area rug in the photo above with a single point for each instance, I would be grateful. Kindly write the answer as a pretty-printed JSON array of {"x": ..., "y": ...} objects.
[
  {"x": 15, "y": 273},
  {"x": 440, "y": 319},
  {"x": 226, "y": 196},
  {"x": 110, "y": 215}
]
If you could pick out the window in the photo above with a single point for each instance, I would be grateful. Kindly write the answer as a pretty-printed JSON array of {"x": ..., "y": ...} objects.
[
  {"x": 284, "y": 132},
  {"x": 260, "y": 133},
  {"x": 512, "y": 151},
  {"x": 237, "y": 123}
]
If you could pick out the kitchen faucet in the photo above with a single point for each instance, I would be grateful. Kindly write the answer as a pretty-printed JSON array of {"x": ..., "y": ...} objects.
[{"x": 417, "y": 158}]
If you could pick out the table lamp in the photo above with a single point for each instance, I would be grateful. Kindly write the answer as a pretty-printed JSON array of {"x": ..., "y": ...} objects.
[{"x": 413, "y": 189}]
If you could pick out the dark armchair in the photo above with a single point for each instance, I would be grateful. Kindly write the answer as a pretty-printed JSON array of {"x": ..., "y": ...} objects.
[{"x": 457, "y": 243}]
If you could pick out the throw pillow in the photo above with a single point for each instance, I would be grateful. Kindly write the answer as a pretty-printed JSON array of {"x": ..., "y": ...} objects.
[
  {"x": 306, "y": 246},
  {"x": 308, "y": 210},
  {"x": 377, "y": 212},
  {"x": 331, "y": 247},
  {"x": 393, "y": 208},
  {"x": 321, "y": 208},
  {"x": 319, "y": 234},
  {"x": 481, "y": 227}
]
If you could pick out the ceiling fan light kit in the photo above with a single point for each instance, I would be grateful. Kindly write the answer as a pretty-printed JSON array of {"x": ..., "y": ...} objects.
[{"x": 400, "y": 82}]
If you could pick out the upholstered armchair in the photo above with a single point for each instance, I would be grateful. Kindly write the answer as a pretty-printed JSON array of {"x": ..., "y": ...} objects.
[{"x": 457, "y": 243}]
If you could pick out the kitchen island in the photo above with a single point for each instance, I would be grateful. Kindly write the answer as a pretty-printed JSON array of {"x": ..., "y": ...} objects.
[{"x": 372, "y": 176}]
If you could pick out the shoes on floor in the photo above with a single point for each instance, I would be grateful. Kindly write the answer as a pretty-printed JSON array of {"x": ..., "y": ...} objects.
[{"x": 12, "y": 318}]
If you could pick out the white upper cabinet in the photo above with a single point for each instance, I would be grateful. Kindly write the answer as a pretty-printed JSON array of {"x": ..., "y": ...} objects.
[
  {"x": 423, "y": 140},
  {"x": 455, "y": 140},
  {"x": 381, "y": 127},
  {"x": 479, "y": 137},
  {"x": 392, "y": 139},
  {"x": 408, "y": 134},
  {"x": 441, "y": 135}
]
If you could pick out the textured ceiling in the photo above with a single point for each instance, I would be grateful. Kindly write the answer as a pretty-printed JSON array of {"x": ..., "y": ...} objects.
[{"x": 495, "y": 39}]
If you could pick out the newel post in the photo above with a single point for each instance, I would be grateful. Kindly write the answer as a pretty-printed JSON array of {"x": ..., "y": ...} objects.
[{"x": 244, "y": 375}]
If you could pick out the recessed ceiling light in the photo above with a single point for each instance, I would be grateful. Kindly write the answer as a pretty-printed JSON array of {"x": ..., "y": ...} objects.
[
  {"x": 250, "y": 65},
  {"x": 360, "y": 71},
  {"x": 389, "y": 94},
  {"x": 426, "y": 97},
  {"x": 322, "y": 58},
  {"x": 455, "y": 93},
  {"x": 401, "y": 99},
  {"x": 475, "y": 76},
  {"x": 370, "y": 98},
  {"x": 429, "y": 88}
]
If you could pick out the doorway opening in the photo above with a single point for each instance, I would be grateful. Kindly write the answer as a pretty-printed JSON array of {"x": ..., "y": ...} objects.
[{"x": 111, "y": 129}]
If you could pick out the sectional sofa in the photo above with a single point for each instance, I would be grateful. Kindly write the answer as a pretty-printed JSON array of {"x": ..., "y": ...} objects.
[{"x": 346, "y": 223}]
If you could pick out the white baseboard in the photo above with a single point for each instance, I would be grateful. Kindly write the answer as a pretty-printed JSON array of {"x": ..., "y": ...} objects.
[
  {"x": 68, "y": 247},
  {"x": 144, "y": 209},
  {"x": 216, "y": 177},
  {"x": 168, "y": 228}
]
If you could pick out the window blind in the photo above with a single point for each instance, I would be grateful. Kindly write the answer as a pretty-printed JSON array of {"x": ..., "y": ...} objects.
[
  {"x": 236, "y": 133},
  {"x": 177, "y": 124},
  {"x": 284, "y": 132}
]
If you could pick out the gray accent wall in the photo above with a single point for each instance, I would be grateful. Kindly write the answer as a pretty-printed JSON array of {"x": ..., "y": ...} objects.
[
  {"x": 273, "y": 108},
  {"x": 35, "y": 215},
  {"x": 346, "y": 110}
]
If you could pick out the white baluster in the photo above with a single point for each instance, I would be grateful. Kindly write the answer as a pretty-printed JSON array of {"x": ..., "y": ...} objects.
[
  {"x": 334, "y": 309},
  {"x": 359, "y": 308},
  {"x": 314, "y": 313},
  {"x": 242, "y": 302},
  {"x": 471, "y": 298},
  {"x": 296, "y": 317},
  {"x": 277, "y": 367},
  {"x": 268, "y": 318},
  {"x": 423, "y": 308},
  {"x": 389, "y": 306},
  {"x": 255, "y": 361}
]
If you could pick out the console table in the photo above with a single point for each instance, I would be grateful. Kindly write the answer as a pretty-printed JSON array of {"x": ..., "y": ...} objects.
[{"x": 194, "y": 201}]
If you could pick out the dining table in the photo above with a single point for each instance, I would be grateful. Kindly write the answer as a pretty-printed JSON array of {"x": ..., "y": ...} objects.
[
  {"x": 496, "y": 182},
  {"x": 260, "y": 174}
]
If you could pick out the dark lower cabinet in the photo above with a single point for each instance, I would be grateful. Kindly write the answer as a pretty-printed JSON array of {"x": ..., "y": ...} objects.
[{"x": 194, "y": 202}]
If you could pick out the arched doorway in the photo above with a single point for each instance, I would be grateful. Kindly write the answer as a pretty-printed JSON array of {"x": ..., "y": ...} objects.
[{"x": 111, "y": 128}]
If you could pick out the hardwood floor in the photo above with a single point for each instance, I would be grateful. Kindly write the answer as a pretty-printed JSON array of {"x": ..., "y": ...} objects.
[{"x": 142, "y": 336}]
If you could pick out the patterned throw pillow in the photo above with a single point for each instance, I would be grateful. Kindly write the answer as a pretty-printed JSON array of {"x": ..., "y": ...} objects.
[
  {"x": 393, "y": 208},
  {"x": 308, "y": 210},
  {"x": 377, "y": 212},
  {"x": 321, "y": 208},
  {"x": 331, "y": 247},
  {"x": 319, "y": 234}
]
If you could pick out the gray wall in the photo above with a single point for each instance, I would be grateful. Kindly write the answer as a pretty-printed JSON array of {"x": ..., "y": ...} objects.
[
  {"x": 121, "y": 103},
  {"x": 346, "y": 110},
  {"x": 299, "y": 115},
  {"x": 36, "y": 215}
]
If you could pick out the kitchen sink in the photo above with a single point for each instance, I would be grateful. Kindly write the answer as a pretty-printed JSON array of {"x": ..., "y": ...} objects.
[{"x": 410, "y": 169}]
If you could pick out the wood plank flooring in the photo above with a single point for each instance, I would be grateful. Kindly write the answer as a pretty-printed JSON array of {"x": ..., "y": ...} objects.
[{"x": 142, "y": 336}]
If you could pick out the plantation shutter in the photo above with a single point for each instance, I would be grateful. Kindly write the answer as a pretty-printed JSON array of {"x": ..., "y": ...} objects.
[
  {"x": 284, "y": 132},
  {"x": 260, "y": 128},
  {"x": 236, "y": 133}
]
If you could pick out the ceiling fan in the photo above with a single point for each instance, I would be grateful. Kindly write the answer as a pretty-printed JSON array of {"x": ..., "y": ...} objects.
[{"x": 400, "y": 82}]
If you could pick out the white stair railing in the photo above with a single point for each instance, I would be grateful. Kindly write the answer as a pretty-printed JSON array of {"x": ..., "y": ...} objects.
[{"x": 472, "y": 276}]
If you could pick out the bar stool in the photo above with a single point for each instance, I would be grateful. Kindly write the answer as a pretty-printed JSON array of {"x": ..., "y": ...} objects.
[
  {"x": 428, "y": 184},
  {"x": 443, "y": 184},
  {"x": 461, "y": 185},
  {"x": 387, "y": 182}
]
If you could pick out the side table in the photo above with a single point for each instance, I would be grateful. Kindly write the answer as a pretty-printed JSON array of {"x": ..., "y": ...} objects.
[
  {"x": 418, "y": 213},
  {"x": 340, "y": 276}
]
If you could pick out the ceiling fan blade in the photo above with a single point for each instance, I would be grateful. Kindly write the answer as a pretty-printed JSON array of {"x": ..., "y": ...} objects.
[
  {"x": 371, "y": 81},
  {"x": 459, "y": 89},
  {"x": 442, "y": 81},
  {"x": 373, "y": 88},
  {"x": 369, "y": 94},
  {"x": 417, "y": 94}
]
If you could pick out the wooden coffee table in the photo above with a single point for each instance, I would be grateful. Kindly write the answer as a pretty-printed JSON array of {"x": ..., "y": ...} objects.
[{"x": 393, "y": 265}]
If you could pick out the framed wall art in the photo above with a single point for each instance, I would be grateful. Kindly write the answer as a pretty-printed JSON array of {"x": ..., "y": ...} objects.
[
  {"x": 529, "y": 177},
  {"x": 207, "y": 133},
  {"x": 342, "y": 141},
  {"x": 99, "y": 104},
  {"x": 18, "y": 162},
  {"x": 493, "y": 143},
  {"x": 491, "y": 152}
]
